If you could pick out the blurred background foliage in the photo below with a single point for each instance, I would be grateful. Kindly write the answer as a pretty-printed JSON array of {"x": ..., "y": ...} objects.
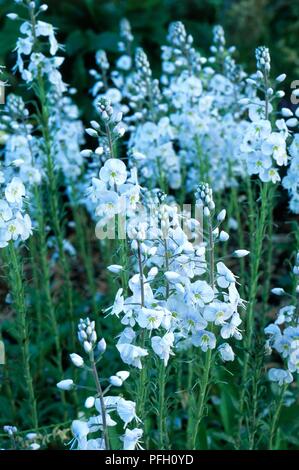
[{"x": 85, "y": 26}]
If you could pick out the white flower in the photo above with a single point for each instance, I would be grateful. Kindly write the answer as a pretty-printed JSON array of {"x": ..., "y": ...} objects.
[
  {"x": 25, "y": 226},
  {"x": 225, "y": 276},
  {"x": 231, "y": 329},
  {"x": 123, "y": 374},
  {"x": 5, "y": 212},
  {"x": 202, "y": 293},
  {"x": 15, "y": 191},
  {"x": 124, "y": 62},
  {"x": 293, "y": 362},
  {"x": 131, "y": 354},
  {"x": 118, "y": 305},
  {"x": 205, "y": 340},
  {"x": 280, "y": 376},
  {"x": 131, "y": 439},
  {"x": 109, "y": 205},
  {"x": 162, "y": 346},
  {"x": 80, "y": 430},
  {"x": 96, "y": 422},
  {"x": 126, "y": 410},
  {"x": 258, "y": 163},
  {"x": 218, "y": 312},
  {"x": 150, "y": 318},
  {"x": 94, "y": 444},
  {"x": 13, "y": 229},
  {"x": 275, "y": 146},
  {"x": 270, "y": 174},
  {"x": 226, "y": 352},
  {"x": 114, "y": 172},
  {"x": 46, "y": 29},
  {"x": 113, "y": 95},
  {"x": 127, "y": 336}
]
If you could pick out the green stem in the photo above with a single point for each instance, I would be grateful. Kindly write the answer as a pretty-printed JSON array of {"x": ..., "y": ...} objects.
[
  {"x": 204, "y": 385},
  {"x": 46, "y": 284},
  {"x": 86, "y": 255},
  {"x": 162, "y": 408},
  {"x": 275, "y": 420},
  {"x": 257, "y": 238},
  {"x": 101, "y": 398},
  {"x": 17, "y": 287},
  {"x": 54, "y": 203}
]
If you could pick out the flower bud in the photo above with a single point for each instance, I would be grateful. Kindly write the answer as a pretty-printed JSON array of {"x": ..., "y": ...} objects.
[
  {"x": 91, "y": 132},
  {"x": 240, "y": 253},
  {"x": 77, "y": 360},
  {"x": 12, "y": 16},
  {"x": 281, "y": 78},
  {"x": 292, "y": 122},
  {"x": 278, "y": 291},
  {"x": 102, "y": 346},
  {"x": 87, "y": 347},
  {"x": 280, "y": 94},
  {"x": 286, "y": 112},
  {"x": 224, "y": 236},
  {"x": 89, "y": 402},
  {"x": 115, "y": 268},
  {"x": 115, "y": 381},
  {"x": 66, "y": 384},
  {"x": 221, "y": 216},
  {"x": 95, "y": 125}
]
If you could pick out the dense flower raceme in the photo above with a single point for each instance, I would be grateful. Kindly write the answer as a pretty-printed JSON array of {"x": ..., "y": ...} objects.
[
  {"x": 15, "y": 223},
  {"x": 162, "y": 255},
  {"x": 263, "y": 145},
  {"x": 22, "y": 150},
  {"x": 195, "y": 125},
  {"x": 172, "y": 301},
  {"x": 101, "y": 404},
  {"x": 41, "y": 70},
  {"x": 283, "y": 336},
  {"x": 176, "y": 128}
]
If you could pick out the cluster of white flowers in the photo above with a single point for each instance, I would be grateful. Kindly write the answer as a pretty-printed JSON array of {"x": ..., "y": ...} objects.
[
  {"x": 114, "y": 191},
  {"x": 15, "y": 223},
  {"x": 264, "y": 147},
  {"x": 22, "y": 150},
  {"x": 171, "y": 296},
  {"x": 32, "y": 64},
  {"x": 65, "y": 127},
  {"x": 102, "y": 403},
  {"x": 283, "y": 336},
  {"x": 189, "y": 124}
]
